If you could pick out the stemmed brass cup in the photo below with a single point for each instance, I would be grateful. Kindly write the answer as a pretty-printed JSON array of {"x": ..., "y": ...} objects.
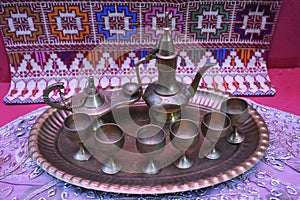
[
  {"x": 150, "y": 141},
  {"x": 109, "y": 139},
  {"x": 237, "y": 110},
  {"x": 183, "y": 135},
  {"x": 78, "y": 127},
  {"x": 215, "y": 125}
]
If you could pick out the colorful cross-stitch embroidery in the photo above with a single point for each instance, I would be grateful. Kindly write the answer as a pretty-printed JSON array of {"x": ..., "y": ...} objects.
[{"x": 51, "y": 41}]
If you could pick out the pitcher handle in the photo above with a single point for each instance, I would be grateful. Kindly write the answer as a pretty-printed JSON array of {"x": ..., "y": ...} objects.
[
  {"x": 56, "y": 86},
  {"x": 151, "y": 55}
]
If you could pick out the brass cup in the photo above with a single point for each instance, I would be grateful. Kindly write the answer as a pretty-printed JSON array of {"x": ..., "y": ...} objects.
[
  {"x": 184, "y": 134},
  {"x": 109, "y": 139},
  {"x": 78, "y": 127},
  {"x": 150, "y": 141},
  {"x": 215, "y": 125},
  {"x": 237, "y": 110}
]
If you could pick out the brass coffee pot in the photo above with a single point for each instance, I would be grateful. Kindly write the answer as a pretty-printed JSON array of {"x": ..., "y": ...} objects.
[{"x": 166, "y": 95}]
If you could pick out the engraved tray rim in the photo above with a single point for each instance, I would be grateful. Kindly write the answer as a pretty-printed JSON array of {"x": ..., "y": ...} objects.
[{"x": 198, "y": 100}]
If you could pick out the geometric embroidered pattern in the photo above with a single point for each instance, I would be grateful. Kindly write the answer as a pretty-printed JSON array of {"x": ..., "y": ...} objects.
[
  {"x": 126, "y": 23},
  {"x": 68, "y": 24},
  {"x": 50, "y": 41},
  {"x": 239, "y": 71},
  {"x": 255, "y": 22},
  {"x": 211, "y": 22},
  {"x": 61, "y": 25}
]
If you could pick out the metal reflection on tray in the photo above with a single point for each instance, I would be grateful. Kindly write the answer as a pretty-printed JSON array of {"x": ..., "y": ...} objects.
[{"x": 136, "y": 151}]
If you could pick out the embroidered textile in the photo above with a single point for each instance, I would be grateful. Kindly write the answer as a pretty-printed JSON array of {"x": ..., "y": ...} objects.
[{"x": 67, "y": 41}]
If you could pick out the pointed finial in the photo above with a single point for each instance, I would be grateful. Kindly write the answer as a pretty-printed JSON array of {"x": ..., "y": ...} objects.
[
  {"x": 167, "y": 20},
  {"x": 90, "y": 88}
]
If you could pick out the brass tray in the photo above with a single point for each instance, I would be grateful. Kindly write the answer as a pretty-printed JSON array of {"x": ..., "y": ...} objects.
[{"x": 52, "y": 152}]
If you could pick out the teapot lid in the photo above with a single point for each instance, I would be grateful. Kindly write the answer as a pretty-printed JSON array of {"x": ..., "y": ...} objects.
[
  {"x": 166, "y": 45},
  {"x": 90, "y": 88}
]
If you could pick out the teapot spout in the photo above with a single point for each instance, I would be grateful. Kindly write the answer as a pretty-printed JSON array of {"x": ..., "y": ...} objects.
[{"x": 193, "y": 87}]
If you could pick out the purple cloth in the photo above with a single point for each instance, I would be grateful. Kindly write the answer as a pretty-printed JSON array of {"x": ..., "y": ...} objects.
[{"x": 274, "y": 177}]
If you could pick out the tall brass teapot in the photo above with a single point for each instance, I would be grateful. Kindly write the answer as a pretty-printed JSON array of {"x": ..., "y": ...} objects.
[{"x": 166, "y": 95}]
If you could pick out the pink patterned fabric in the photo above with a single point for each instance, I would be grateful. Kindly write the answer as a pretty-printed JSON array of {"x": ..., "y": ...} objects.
[
  {"x": 274, "y": 177},
  {"x": 68, "y": 41}
]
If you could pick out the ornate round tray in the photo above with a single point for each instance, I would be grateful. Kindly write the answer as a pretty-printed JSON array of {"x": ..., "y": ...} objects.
[{"x": 52, "y": 151}]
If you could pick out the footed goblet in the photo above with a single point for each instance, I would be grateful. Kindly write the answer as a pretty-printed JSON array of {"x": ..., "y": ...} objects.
[
  {"x": 183, "y": 135},
  {"x": 109, "y": 139},
  {"x": 150, "y": 141},
  {"x": 237, "y": 110},
  {"x": 215, "y": 125},
  {"x": 78, "y": 127}
]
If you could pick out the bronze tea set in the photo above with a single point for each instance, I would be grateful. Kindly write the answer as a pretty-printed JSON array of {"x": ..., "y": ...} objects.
[{"x": 86, "y": 125}]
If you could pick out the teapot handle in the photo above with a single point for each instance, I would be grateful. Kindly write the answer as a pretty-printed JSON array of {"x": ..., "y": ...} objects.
[
  {"x": 56, "y": 86},
  {"x": 149, "y": 56}
]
